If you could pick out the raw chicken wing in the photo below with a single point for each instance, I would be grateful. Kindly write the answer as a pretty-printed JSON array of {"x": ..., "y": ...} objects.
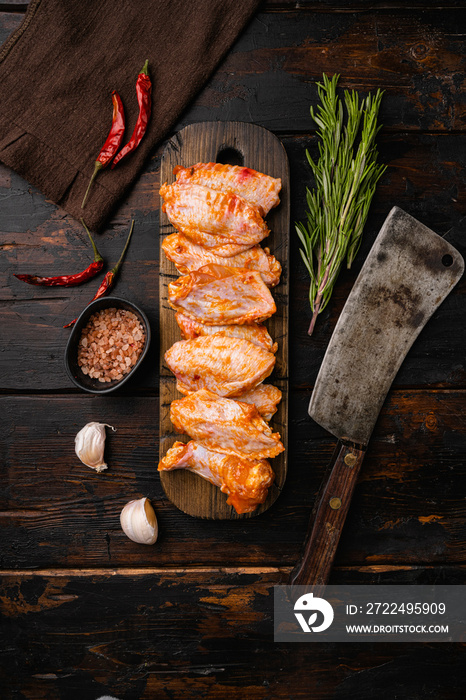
[
  {"x": 225, "y": 217},
  {"x": 227, "y": 366},
  {"x": 188, "y": 256},
  {"x": 258, "y": 189},
  {"x": 218, "y": 246},
  {"x": 225, "y": 425},
  {"x": 245, "y": 481},
  {"x": 254, "y": 332},
  {"x": 219, "y": 295},
  {"x": 265, "y": 398}
]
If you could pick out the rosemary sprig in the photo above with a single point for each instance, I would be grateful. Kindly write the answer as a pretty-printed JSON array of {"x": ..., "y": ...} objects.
[{"x": 345, "y": 181}]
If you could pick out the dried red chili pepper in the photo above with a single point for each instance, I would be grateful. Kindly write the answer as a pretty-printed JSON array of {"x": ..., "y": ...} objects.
[
  {"x": 143, "y": 92},
  {"x": 109, "y": 279},
  {"x": 113, "y": 142},
  {"x": 69, "y": 280}
]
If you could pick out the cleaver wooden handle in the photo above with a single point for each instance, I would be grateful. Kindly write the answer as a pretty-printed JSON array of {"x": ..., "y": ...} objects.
[{"x": 328, "y": 517}]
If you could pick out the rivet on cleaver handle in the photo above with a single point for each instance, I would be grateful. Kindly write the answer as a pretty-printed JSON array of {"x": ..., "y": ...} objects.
[{"x": 409, "y": 271}]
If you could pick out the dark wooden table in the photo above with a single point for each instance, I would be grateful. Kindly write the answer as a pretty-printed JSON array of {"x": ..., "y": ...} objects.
[{"x": 86, "y": 611}]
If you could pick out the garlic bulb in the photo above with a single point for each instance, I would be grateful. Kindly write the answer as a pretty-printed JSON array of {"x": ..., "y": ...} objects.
[
  {"x": 138, "y": 521},
  {"x": 90, "y": 444}
]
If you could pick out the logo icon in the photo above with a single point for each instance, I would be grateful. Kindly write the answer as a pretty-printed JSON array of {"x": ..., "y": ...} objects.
[{"x": 309, "y": 604}]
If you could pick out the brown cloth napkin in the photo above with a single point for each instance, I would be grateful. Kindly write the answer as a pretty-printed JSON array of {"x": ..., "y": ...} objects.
[{"x": 58, "y": 70}]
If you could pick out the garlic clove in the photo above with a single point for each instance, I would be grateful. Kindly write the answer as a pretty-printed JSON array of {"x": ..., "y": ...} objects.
[
  {"x": 89, "y": 445},
  {"x": 139, "y": 522}
]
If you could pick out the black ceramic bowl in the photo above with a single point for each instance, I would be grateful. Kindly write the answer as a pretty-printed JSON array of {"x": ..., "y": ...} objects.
[{"x": 75, "y": 373}]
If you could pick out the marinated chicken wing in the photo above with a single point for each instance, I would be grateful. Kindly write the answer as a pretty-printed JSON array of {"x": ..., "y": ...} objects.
[
  {"x": 225, "y": 425},
  {"x": 213, "y": 219},
  {"x": 219, "y": 295},
  {"x": 245, "y": 481},
  {"x": 258, "y": 189},
  {"x": 221, "y": 247},
  {"x": 254, "y": 332},
  {"x": 188, "y": 256},
  {"x": 227, "y": 366},
  {"x": 265, "y": 398}
]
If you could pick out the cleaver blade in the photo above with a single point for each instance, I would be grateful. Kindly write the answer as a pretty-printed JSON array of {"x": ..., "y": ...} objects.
[{"x": 406, "y": 276}]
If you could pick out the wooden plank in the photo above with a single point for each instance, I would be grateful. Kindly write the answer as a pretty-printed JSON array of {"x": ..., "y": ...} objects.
[
  {"x": 253, "y": 147},
  {"x": 269, "y": 75},
  {"x": 333, "y": 5},
  {"x": 408, "y": 505},
  {"x": 9, "y": 22},
  {"x": 271, "y": 72},
  {"x": 292, "y": 5},
  {"x": 37, "y": 236},
  {"x": 425, "y": 177},
  {"x": 175, "y": 635},
  {"x": 384, "y": 574}
]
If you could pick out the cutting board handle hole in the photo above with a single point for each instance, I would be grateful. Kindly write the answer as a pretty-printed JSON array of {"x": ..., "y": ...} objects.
[
  {"x": 447, "y": 260},
  {"x": 230, "y": 156}
]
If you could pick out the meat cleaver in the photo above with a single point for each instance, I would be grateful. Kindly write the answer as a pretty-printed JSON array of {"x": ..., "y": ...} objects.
[{"x": 406, "y": 276}]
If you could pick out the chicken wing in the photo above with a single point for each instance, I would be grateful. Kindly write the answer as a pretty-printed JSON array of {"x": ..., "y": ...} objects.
[
  {"x": 254, "y": 332},
  {"x": 213, "y": 219},
  {"x": 225, "y": 425},
  {"x": 219, "y": 295},
  {"x": 265, "y": 398},
  {"x": 219, "y": 246},
  {"x": 227, "y": 366},
  {"x": 245, "y": 481},
  {"x": 256, "y": 188},
  {"x": 188, "y": 256}
]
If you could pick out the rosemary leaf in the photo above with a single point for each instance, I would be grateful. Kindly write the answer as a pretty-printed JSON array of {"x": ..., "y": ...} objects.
[{"x": 346, "y": 174}]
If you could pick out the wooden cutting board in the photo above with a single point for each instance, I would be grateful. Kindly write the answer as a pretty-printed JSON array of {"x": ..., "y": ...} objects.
[{"x": 236, "y": 143}]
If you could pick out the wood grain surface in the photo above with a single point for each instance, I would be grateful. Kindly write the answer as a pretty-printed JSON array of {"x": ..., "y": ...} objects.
[
  {"x": 426, "y": 177},
  {"x": 408, "y": 505},
  {"x": 158, "y": 635},
  {"x": 85, "y": 611},
  {"x": 236, "y": 143}
]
